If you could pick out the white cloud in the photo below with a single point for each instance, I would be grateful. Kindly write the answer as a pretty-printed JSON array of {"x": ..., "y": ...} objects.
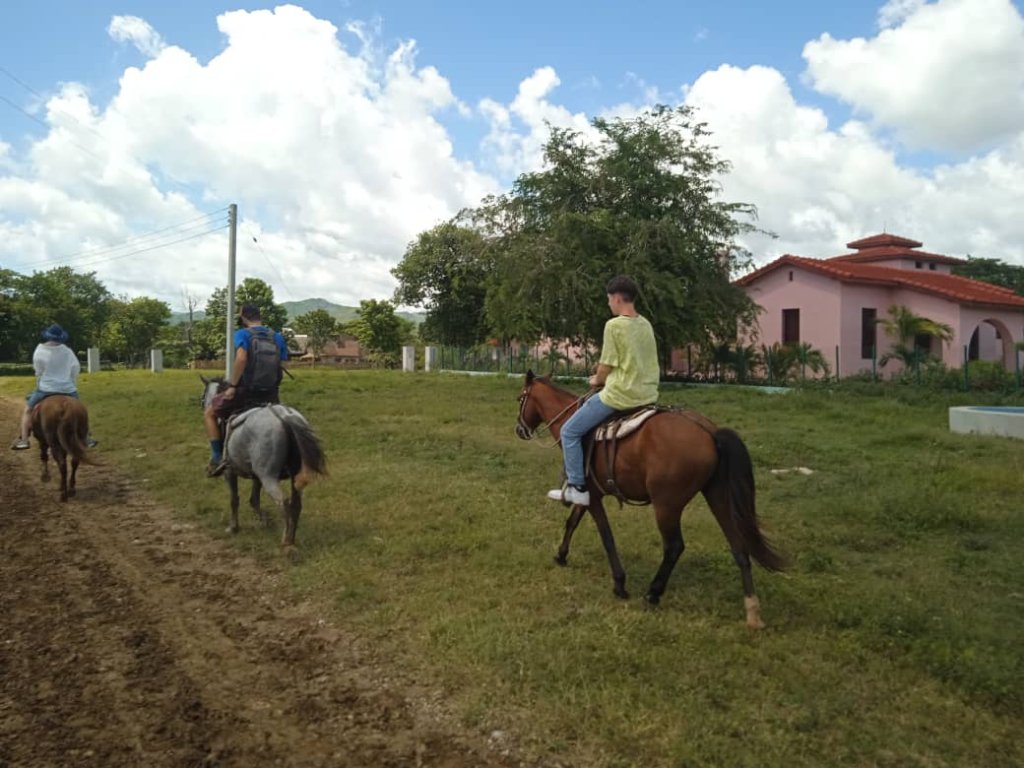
[
  {"x": 338, "y": 159},
  {"x": 132, "y": 29},
  {"x": 519, "y": 130},
  {"x": 818, "y": 187},
  {"x": 895, "y": 12},
  {"x": 950, "y": 76}
]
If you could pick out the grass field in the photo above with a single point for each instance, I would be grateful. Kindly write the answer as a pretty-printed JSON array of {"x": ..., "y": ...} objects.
[{"x": 895, "y": 639}]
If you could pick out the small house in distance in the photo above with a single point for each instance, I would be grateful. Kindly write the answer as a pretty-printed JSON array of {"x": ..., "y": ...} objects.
[
  {"x": 341, "y": 350},
  {"x": 836, "y": 303}
]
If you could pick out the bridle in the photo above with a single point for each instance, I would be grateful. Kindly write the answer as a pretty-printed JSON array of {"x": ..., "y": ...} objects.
[{"x": 524, "y": 431}]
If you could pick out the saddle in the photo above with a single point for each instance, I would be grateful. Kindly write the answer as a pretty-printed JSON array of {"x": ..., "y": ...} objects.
[
  {"x": 619, "y": 426},
  {"x": 235, "y": 420}
]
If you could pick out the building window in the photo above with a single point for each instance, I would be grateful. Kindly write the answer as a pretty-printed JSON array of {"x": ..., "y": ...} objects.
[
  {"x": 791, "y": 326},
  {"x": 918, "y": 265},
  {"x": 791, "y": 275},
  {"x": 923, "y": 344},
  {"x": 931, "y": 266},
  {"x": 868, "y": 333}
]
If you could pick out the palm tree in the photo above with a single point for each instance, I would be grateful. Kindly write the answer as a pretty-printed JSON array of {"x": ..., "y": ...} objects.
[
  {"x": 807, "y": 356},
  {"x": 906, "y": 327},
  {"x": 778, "y": 361},
  {"x": 744, "y": 360}
]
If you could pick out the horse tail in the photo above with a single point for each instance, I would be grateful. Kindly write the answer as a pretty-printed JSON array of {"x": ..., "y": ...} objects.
[
  {"x": 71, "y": 430},
  {"x": 736, "y": 471},
  {"x": 305, "y": 445}
]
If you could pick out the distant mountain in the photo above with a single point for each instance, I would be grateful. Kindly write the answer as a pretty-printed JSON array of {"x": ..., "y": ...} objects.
[
  {"x": 177, "y": 318},
  {"x": 295, "y": 308}
]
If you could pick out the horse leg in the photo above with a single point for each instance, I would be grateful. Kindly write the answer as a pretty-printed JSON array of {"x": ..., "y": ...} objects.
[
  {"x": 254, "y": 502},
  {"x": 718, "y": 499},
  {"x": 672, "y": 545},
  {"x": 573, "y": 520},
  {"x": 232, "y": 480},
  {"x": 74, "y": 473},
  {"x": 60, "y": 458},
  {"x": 292, "y": 510},
  {"x": 44, "y": 456},
  {"x": 605, "y": 530}
]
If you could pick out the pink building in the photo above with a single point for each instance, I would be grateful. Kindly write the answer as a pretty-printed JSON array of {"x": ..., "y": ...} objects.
[{"x": 835, "y": 302}]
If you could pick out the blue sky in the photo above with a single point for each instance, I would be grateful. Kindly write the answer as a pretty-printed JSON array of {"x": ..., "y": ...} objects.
[{"x": 340, "y": 139}]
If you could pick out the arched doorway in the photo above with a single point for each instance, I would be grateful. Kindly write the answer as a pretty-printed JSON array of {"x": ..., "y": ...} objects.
[{"x": 991, "y": 340}]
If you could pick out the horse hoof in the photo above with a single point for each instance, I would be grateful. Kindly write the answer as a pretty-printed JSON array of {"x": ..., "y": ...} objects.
[
  {"x": 652, "y": 600},
  {"x": 560, "y": 560},
  {"x": 231, "y": 529},
  {"x": 755, "y": 624}
]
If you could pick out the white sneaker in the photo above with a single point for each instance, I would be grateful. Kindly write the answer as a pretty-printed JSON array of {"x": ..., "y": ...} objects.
[{"x": 570, "y": 496}]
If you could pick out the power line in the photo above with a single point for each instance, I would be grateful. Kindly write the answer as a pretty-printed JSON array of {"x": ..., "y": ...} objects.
[
  {"x": 272, "y": 265},
  {"x": 94, "y": 262},
  {"x": 34, "y": 92},
  {"x": 30, "y": 116},
  {"x": 132, "y": 241}
]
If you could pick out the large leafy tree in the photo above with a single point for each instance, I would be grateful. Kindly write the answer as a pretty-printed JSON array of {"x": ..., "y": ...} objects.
[
  {"x": 133, "y": 328},
  {"x": 80, "y": 303},
  {"x": 378, "y": 329},
  {"x": 993, "y": 271},
  {"x": 319, "y": 325},
  {"x": 251, "y": 290},
  {"x": 445, "y": 271},
  {"x": 643, "y": 200}
]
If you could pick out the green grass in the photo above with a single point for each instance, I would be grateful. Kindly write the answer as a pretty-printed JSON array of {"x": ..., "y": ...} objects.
[{"x": 893, "y": 640}]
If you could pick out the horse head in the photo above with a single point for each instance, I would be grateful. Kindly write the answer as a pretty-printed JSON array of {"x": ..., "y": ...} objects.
[
  {"x": 529, "y": 417},
  {"x": 541, "y": 402},
  {"x": 211, "y": 387}
]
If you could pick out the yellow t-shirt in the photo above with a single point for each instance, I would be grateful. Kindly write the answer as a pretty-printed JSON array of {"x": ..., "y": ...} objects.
[{"x": 629, "y": 348}]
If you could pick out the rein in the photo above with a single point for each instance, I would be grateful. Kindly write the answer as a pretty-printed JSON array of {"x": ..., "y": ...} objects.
[{"x": 548, "y": 423}]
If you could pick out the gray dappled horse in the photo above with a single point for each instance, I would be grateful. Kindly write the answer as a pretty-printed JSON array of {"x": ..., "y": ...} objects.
[{"x": 266, "y": 444}]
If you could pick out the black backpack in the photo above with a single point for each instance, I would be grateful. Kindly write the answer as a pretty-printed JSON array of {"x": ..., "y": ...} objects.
[{"x": 263, "y": 362}]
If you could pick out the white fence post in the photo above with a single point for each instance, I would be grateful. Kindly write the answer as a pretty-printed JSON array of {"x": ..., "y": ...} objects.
[
  {"x": 92, "y": 359},
  {"x": 408, "y": 358},
  {"x": 430, "y": 358},
  {"x": 156, "y": 360}
]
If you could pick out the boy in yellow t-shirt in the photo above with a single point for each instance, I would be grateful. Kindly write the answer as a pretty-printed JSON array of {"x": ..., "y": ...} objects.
[{"x": 628, "y": 371}]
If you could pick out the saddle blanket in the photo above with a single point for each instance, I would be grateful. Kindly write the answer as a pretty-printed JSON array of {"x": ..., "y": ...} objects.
[
  {"x": 282, "y": 411},
  {"x": 619, "y": 427}
]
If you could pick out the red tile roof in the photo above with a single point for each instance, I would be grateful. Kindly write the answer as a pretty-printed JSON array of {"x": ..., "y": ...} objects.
[
  {"x": 890, "y": 252},
  {"x": 884, "y": 239},
  {"x": 951, "y": 287}
]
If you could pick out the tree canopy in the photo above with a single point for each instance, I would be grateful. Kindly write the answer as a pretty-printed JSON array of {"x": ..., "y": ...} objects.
[
  {"x": 638, "y": 196},
  {"x": 319, "y": 325},
  {"x": 251, "y": 290},
  {"x": 993, "y": 271}
]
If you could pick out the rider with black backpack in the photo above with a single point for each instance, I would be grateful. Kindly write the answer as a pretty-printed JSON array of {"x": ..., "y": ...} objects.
[{"x": 256, "y": 377}]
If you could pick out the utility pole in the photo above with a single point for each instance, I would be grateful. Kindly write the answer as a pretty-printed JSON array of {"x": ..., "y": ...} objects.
[{"x": 229, "y": 355}]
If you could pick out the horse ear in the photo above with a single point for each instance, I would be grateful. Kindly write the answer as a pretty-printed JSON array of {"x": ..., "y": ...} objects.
[{"x": 529, "y": 375}]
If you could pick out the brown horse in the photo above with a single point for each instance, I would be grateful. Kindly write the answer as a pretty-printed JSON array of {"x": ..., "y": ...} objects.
[
  {"x": 61, "y": 425},
  {"x": 672, "y": 457}
]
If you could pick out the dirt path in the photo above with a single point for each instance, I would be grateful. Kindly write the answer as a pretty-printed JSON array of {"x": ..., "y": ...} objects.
[{"x": 130, "y": 639}]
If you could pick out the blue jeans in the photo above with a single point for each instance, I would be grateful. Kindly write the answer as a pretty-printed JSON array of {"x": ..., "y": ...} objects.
[
  {"x": 590, "y": 414},
  {"x": 37, "y": 395}
]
